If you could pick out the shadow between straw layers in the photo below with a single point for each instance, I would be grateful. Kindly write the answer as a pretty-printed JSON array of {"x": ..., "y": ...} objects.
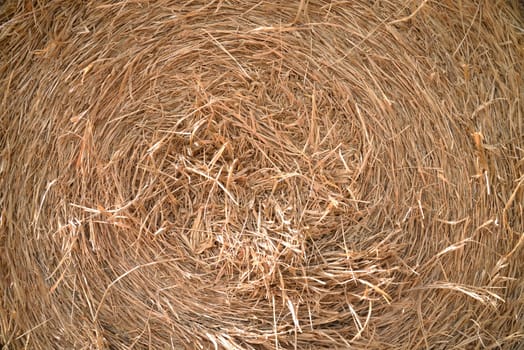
[{"x": 261, "y": 175}]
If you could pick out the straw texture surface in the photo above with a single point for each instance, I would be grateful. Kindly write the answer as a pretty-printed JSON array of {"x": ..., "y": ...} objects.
[{"x": 261, "y": 174}]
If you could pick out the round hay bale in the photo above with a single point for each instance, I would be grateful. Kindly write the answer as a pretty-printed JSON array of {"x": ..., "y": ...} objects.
[{"x": 261, "y": 175}]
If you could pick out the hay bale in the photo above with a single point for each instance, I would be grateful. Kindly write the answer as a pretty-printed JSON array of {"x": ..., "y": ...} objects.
[{"x": 261, "y": 175}]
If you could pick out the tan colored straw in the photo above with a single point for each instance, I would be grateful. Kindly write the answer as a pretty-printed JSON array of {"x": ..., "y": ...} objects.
[{"x": 242, "y": 174}]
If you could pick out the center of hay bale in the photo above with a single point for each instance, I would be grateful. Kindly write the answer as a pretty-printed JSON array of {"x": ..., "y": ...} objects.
[{"x": 238, "y": 161}]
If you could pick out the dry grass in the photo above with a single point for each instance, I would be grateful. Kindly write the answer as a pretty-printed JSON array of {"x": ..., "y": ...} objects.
[{"x": 261, "y": 175}]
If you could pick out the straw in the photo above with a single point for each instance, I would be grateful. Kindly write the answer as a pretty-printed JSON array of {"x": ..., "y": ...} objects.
[{"x": 261, "y": 175}]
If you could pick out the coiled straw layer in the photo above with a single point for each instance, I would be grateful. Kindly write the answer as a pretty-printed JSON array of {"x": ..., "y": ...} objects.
[{"x": 261, "y": 174}]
